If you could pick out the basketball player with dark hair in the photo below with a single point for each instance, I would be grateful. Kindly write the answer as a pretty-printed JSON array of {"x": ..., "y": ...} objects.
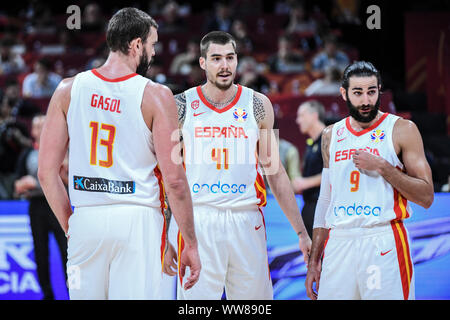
[
  {"x": 222, "y": 126},
  {"x": 117, "y": 126},
  {"x": 374, "y": 164}
]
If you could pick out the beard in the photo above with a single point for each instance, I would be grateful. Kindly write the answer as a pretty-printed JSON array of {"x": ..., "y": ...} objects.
[
  {"x": 355, "y": 114},
  {"x": 221, "y": 85},
  {"x": 143, "y": 65}
]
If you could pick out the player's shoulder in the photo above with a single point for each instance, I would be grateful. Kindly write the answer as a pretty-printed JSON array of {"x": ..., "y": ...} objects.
[
  {"x": 65, "y": 85},
  {"x": 404, "y": 124},
  {"x": 262, "y": 98},
  {"x": 326, "y": 133},
  {"x": 405, "y": 130},
  {"x": 154, "y": 90}
]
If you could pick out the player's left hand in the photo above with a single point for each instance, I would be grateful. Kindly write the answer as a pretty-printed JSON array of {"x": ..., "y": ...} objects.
[{"x": 364, "y": 160}]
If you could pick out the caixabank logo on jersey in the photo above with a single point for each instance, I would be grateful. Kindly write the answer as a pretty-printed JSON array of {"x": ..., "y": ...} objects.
[{"x": 91, "y": 184}]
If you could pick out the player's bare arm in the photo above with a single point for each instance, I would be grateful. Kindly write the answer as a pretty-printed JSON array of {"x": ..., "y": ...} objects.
[
  {"x": 160, "y": 113},
  {"x": 319, "y": 234},
  {"x": 416, "y": 183},
  {"x": 52, "y": 151},
  {"x": 278, "y": 179}
]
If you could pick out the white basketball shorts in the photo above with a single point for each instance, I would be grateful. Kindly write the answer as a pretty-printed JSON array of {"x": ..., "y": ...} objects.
[
  {"x": 367, "y": 263},
  {"x": 115, "y": 252},
  {"x": 233, "y": 252}
]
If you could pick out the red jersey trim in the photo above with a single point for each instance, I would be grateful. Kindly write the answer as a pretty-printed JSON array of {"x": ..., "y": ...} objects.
[
  {"x": 228, "y": 107},
  {"x": 360, "y": 133},
  {"x": 95, "y": 72}
]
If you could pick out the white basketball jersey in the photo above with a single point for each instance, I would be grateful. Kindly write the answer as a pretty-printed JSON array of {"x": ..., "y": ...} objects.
[
  {"x": 362, "y": 198},
  {"x": 220, "y": 152},
  {"x": 111, "y": 153}
]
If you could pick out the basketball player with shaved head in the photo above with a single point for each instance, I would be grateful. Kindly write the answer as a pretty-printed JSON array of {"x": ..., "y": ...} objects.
[
  {"x": 117, "y": 125},
  {"x": 374, "y": 165},
  {"x": 227, "y": 135}
]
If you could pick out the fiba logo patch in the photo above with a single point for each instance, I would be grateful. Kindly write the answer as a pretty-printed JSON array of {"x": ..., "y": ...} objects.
[
  {"x": 377, "y": 135},
  {"x": 195, "y": 104},
  {"x": 240, "y": 115}
]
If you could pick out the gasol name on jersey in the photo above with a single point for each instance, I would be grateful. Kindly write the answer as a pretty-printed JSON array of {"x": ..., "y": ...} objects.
[{"x": 103, "y": 185}]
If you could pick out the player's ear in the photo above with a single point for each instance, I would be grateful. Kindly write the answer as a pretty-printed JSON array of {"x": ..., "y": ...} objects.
[
  {"x": 344, "y": 96},
  {"x": 202, "y": 62},
  {"x": 135, "y": 45}
]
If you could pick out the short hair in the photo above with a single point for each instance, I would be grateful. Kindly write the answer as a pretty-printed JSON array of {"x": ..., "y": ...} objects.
[
  {"x": 126, "y": 25},
  {"x": 316, "y": 107},
  {"x": 217, "y": 37},
  {"x": 359, "y": 69}
]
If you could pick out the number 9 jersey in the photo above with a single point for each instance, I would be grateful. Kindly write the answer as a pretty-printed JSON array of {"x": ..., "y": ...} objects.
[
  {"x": 361, "y": 198},
  {"x": 111, "y": 153}
]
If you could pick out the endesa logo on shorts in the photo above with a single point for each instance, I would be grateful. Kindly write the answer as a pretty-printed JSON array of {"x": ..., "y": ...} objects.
[
  {"x": 103, "y": 185},
  {"x": 218, "y": 188},
  {"x": 357, "y": 210}
]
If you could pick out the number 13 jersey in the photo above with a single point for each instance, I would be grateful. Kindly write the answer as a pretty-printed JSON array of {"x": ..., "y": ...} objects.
[
  {"x": 111, "y": 153},
  {"x": 361, "y": 198},
  {"x": 220, "y": 152}
]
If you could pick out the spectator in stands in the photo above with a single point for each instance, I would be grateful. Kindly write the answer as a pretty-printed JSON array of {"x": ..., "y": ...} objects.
[
  {"x": 329, "y": 85},
  {"x": 194, "y": 78},
  {"x": 243, "y": 41},
  {"x": 156, "y": 7},
  {"x": 250, "y": 76},
  {"x": 99, "y": 58},
  {"x": 289, "y": 157},
  {"x": 93, "y": 19},
  {"x": 14, "y": 137},
  {"x": 182, "y": 62},
  {"x": 40, "y": 18},
  {"x": 12, "y": 101},
  {"x": 310, "y": 119},
  {"x": 284, "y": 6},
  {"x": 171, "y": 21},
  {"x": 10, "y": 62},
  {"x": 222, "y": 18},
  {"x": 42, "y": 82},
  {"x": 287, "y": 59},
  {"x": 330, "y": 56},
  {"x": 299, "y": 22},
  {"x": 42, "y": 219}
]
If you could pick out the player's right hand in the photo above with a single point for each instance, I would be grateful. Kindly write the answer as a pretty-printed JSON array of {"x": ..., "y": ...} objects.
[
  {"x": 190, "y": 258},
  {"x": 313, "y": 275},
  {"x": 170, "y": 261}
]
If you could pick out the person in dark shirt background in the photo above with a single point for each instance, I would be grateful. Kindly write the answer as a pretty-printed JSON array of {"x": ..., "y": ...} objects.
[
  {"x": 310, "y": 119},
  {"x": 42, "y": 219}
]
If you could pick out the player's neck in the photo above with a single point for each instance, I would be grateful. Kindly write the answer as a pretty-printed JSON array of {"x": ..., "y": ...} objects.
[
  {"x": 359, "y": 126},
  {"x": 218, "y": 96},
  {"x": 117, "y": 65}
]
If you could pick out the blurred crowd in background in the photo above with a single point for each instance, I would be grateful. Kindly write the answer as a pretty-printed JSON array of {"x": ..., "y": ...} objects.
[{"x": 285, "y": 47}]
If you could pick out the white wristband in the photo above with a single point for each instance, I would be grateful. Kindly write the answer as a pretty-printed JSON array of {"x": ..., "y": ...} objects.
[{"x": 324, "y": 200}]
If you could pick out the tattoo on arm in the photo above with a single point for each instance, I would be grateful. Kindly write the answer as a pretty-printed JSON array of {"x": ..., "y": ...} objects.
[
  {"x": 180, "y": 99},
  {"x": 258, "y": 109},
  {"x": 167, "y": 216},
  {"x": 325, "y": 147}
]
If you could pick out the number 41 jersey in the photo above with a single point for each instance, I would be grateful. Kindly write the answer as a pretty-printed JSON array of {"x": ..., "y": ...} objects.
[
  {"x": 220, "y": 152},
  {"x": 111, "y": 153},
  {"x": 361, "y": 198}
]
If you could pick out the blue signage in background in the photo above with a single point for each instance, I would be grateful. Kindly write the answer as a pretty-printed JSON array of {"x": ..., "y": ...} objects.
[
  {"x": 429, "y": 231},
  {"x": 18, "y": 277}
]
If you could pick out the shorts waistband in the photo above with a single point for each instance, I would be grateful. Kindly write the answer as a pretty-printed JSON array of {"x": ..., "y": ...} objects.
[{"x": 360, "y": 232}]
